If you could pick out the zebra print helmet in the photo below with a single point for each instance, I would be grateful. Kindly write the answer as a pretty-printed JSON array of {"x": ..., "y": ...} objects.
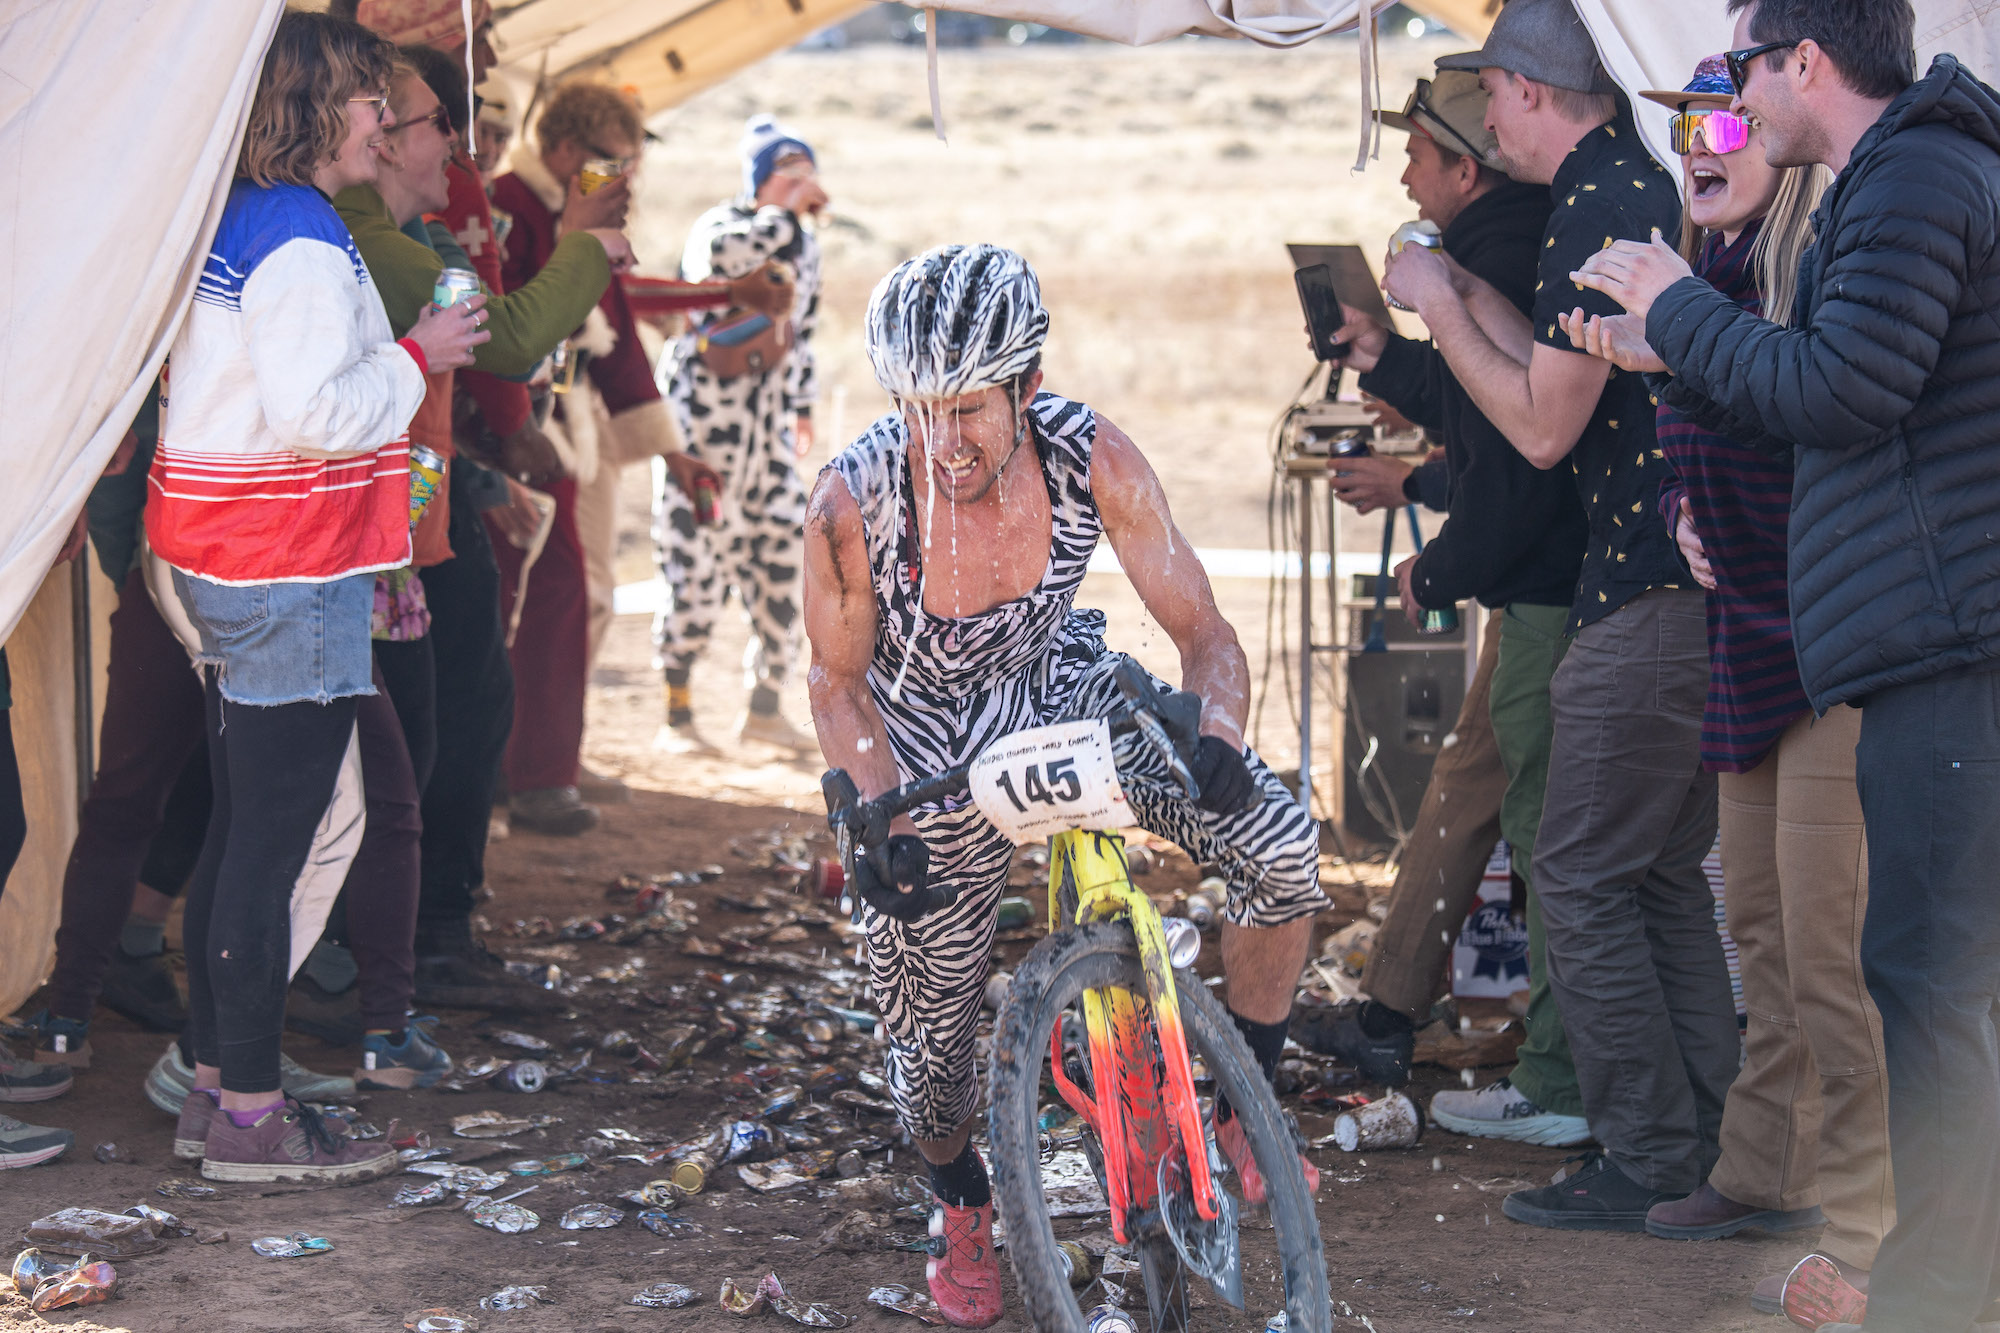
[{"x": 955, "y": 320}]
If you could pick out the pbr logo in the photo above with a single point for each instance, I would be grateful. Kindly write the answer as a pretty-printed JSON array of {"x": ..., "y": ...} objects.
[{"x": 1500, "y": 942}]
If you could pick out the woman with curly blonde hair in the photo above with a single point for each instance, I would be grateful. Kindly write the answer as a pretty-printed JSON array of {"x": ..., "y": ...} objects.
[{"x": 280, "y": 487}]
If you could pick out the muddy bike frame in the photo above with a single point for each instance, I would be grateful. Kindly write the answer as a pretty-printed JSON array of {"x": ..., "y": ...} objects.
[{"x": 1145, "y": 1104}]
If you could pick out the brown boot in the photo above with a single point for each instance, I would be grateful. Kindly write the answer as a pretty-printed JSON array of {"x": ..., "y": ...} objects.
[
  {"x": 1707, "y": 1214},
  {"x": 291, "y": 1143}
]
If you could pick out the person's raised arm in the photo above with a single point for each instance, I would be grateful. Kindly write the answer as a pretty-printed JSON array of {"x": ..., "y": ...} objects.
[
  {"x": 1540, "y": 401},
  {"x": 1170, "y": 581},
  {"x": 840, "y": 628}
]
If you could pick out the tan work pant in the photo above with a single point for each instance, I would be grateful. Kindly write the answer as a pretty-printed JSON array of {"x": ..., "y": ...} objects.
[
  {"x": 1438, "y": 877},
  {"x": 1807, "y": 1120},
  {"x": 597, "y": 530}
]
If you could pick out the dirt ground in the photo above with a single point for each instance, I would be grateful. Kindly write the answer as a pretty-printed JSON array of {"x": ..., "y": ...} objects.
[{"x": 1153, "y": 189}]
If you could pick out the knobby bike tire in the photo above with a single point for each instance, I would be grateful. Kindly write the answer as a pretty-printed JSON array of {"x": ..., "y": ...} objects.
[{"x": 1051, "y": 977}]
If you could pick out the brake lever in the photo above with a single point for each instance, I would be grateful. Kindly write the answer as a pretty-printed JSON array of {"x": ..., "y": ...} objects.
[{"x": 1151, "y": 728}]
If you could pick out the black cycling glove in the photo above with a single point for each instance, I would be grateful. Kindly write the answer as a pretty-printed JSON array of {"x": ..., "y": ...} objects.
[
  {"x": 1227, "y": 785},
  {"x": 909, "y": 863}
]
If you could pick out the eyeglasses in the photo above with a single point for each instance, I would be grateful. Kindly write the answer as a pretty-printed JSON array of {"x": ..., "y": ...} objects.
[
  {"x": 1723, "y": 131},
  {"x": 1420, "y": 101},
  {"x": 380, "y": 101},
  {"x": 1739, "y": 61},
  {"x": 436, "y": 119}
]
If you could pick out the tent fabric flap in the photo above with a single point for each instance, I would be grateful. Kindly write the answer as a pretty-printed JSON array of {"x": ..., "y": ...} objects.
[{"x": 115, "y": 203}]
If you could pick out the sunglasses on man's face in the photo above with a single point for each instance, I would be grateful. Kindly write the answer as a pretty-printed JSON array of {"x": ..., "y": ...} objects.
[
  {"x": 1723, "y": 131},
  {"x": 1739, "y": 61}
]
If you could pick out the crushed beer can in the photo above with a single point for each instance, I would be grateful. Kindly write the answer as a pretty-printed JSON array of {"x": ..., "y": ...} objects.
[
  {"x": 111, "y": 1152},
  {"x": 592, "y": 1217},
  {"x": 295, "y": 1246},
  {"x": 1391, "y": 1121},
  {"x": 86, "y": 1284},
  {"x": 516, "y": 1298},
  {"x": 1075, "y": 1262},
  {"x": 523, "y": 1041},
  {"x": 92, "y": 1231},
  {"x": 163, "y": 1222},
  {"x": 691, "y": 1172},
  {"x": 662, "y": 1222},
  {"x": 664, "y": 1296},
  {"x": 421, "y": 1196},
  {"x": 440, "y": 1320},
  {"x": 662, "y": 1194},
  {"x": 781, "y": 1103},
  {"x": 509, "y": 1219},
  {"x": 810, "y": 1313},
  {"x": 742, "y": 1138},
  {"x": 32, "y": 1268},
  {"x": 902, "y": 1300},
  {"x": 736, "y": 1299},
  {"x": 547, "y": 1166}
]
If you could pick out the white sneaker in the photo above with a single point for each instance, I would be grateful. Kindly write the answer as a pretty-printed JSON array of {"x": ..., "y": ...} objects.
[
  {"x": 1499, "y": 1111},
  {"x": 686, "y": 739},
  {"x": 772, "y": 729}
]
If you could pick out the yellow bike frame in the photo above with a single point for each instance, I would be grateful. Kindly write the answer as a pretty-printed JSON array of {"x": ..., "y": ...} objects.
[{"x": 1145, "y": 1095}]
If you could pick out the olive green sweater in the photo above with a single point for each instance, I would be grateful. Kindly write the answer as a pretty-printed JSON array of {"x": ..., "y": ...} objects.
[{"x": 526, "y": 324}]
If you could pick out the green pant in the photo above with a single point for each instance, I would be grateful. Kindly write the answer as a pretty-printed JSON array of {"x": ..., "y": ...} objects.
[{"x": 1531, "y": 644}]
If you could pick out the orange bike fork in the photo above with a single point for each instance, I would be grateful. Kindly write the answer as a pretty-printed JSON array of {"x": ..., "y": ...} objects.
[{"x": 1135, "y": 1112}]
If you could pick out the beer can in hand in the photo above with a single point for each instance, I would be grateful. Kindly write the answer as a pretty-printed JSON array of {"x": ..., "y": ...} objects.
[
  {"x": 426, "y": 475},
  {"x": 1418, "y": 232},
  {"x": 1439, "y": 622},
  {"x": 597, "y": 173},
  {"x": 707, "y": 503},
  {"x": 454, "y": 285}
]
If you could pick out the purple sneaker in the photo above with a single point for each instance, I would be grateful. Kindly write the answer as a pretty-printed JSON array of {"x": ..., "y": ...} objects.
[
  {"x": 191, "y": 1130},
  {"x": 291, "y": 1143}
]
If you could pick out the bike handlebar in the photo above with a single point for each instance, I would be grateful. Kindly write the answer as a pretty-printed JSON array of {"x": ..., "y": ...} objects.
[{"x": 1169, "y": 721}]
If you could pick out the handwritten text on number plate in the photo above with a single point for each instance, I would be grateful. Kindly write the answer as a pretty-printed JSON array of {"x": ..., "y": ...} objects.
[{"x": 1047, "y": 779}]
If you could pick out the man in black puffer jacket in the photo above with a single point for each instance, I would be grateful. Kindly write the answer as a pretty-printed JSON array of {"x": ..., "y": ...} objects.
[{"x": 1887, "y": 389}]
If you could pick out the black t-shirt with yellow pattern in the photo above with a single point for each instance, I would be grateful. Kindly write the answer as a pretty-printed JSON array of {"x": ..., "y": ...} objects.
[{"x": 1609, "y": 189}]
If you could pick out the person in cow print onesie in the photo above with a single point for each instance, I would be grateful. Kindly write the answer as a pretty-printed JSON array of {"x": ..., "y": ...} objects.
[{"x": 751, "y": 428}]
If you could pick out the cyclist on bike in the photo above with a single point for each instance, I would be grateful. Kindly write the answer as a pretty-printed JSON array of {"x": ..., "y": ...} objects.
[{"x": 944, "y": 550}]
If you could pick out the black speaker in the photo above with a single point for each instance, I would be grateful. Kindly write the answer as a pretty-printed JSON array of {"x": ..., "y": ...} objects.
[{"x": 1401, "y": 704}]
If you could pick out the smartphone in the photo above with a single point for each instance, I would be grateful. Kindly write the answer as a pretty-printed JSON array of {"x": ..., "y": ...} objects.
[{"x": 1322, "y": 307}]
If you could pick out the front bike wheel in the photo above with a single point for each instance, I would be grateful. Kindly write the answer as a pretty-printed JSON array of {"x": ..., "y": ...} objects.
[{"x": 1048, "y": 982}]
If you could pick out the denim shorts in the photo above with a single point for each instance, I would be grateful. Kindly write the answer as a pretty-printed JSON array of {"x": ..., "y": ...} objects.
[{"x": 284, "y": 643}]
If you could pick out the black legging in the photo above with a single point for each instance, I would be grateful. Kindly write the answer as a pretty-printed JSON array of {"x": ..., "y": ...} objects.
[
  {"x": 273, "y": 771},
  {"x": 13, "y": 815}
]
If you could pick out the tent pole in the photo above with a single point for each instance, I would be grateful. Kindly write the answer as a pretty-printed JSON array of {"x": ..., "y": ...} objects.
[{"x": 79, "y": 634}]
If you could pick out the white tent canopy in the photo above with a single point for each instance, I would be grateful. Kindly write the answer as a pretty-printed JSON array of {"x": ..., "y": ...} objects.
[{"x": 119, "y": 121}]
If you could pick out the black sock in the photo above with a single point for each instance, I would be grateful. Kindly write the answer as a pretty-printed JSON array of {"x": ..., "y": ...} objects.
[
  {"x": 1267, "y": 1044},
  {"x": 764, "y": 701},
  {"x": 1379, "y": 1021},
  {"x": 962, "y": 1182}
]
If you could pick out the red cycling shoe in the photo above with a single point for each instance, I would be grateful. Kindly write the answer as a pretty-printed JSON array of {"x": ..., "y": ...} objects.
[
  {"x": 1235, "y": 1146},
  {"x": 964, "y": 1269}
]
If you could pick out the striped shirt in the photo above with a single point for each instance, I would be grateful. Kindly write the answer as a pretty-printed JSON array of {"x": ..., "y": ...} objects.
[{"x": 1740, "y": 500}]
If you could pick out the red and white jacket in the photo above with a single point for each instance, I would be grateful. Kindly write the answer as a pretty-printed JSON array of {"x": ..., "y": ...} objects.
[{"x": 284, "y": 453}]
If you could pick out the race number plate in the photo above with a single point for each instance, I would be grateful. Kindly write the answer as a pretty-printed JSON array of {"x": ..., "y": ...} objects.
[{"x": 1047, "y": 779}]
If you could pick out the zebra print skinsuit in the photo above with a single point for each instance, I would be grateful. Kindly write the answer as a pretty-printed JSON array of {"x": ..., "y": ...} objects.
[{"x": 966, "y": 682}]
